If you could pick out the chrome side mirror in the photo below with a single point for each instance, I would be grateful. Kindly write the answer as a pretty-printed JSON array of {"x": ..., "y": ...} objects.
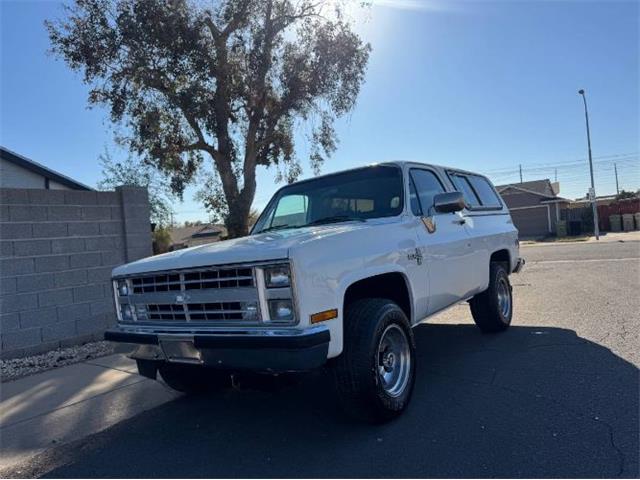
[{"x": 448, "y": 202}]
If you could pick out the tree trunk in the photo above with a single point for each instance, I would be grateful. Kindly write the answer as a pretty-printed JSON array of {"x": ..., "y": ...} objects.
[{"x": 237, "y": 221}]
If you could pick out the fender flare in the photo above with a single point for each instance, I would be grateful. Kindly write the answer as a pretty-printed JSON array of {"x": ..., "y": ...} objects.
[{"x": 369, "y": 272}]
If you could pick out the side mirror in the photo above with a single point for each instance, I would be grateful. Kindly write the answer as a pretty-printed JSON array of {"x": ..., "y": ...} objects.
[{"x": 448, "y": 202}]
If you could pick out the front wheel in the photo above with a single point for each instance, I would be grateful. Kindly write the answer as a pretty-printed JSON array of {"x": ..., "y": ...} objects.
[
  {"x": 492, "y": 309},
  {"x": 376, "y": 371}
]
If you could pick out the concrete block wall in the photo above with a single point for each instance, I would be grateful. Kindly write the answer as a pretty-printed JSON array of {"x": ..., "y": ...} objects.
[{"x": 57, "y": 251}]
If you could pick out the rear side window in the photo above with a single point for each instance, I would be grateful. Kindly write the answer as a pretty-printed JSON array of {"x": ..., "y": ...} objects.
[
  {"x": 485, "y": 191},
  {"x": 424, "y": 185},
  {"x": 462, "y": 185}
]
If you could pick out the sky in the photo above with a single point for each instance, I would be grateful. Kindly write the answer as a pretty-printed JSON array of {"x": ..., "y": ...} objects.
[{"x": 487, "y": 86}]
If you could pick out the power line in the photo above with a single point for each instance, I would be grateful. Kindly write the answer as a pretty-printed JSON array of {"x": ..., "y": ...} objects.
[{"x": 579, "y": 161}]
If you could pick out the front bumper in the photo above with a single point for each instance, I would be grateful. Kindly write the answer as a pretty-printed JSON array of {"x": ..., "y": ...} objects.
[{"x": 274, "y": 350}]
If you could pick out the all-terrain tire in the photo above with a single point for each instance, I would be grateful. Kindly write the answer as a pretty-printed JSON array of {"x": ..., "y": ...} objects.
[
  {"x": 194, "y": 379},
  {"x": 357, "y": 370},
  {"x": 492, "y": 309}
]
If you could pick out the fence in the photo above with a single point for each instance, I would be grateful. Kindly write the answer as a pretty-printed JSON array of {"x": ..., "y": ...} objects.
[
  {"x": 57, "y": 250},
  {"x": 584, "y": 214}
]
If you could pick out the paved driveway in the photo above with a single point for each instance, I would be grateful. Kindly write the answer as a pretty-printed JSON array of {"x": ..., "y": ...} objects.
[{"x": 555, "y": 396}]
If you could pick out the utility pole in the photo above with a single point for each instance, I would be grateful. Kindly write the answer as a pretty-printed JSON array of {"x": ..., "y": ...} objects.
[
  {"x": 520, "y": 173},
  {"x": 592, "y": 190},
  {"x": 555, "y": 175},
  {"x": 615, "y": 169}
]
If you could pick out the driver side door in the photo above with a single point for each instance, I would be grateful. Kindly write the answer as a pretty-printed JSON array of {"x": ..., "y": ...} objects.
[{"x": 443, "y": 240}]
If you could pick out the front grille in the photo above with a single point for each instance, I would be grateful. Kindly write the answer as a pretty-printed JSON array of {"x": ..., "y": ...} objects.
[
  {"x": 194, "y": 280},
  {"x": 212, "y": 295},
  {"x": 198, "y": 312}
]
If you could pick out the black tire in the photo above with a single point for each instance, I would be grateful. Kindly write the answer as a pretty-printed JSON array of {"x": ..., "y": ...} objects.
[
  {"x": 356, "y": 371},
  {"x": 488, "y": 310},
  {"x": 194, "y": 379}
]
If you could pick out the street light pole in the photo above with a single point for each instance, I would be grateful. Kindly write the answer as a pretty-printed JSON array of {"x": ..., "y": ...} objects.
[{"x": 592, "y": 192}]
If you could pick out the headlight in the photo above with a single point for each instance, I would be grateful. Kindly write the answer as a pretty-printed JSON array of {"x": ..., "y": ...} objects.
[
  {"x": 277, "y": 277},
  {"x": 123, "y": 288},
  {"x": 281, "y": 310}
]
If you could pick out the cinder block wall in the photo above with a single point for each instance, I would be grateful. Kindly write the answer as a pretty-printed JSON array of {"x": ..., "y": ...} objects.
[{"x": 57, "y": 250}]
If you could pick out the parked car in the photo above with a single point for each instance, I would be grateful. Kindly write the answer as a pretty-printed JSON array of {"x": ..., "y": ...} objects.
[{"x": 336, "y": 271}]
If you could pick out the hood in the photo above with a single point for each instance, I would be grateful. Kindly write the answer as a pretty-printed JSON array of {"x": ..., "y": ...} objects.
[{"x": 262, "y": 247}]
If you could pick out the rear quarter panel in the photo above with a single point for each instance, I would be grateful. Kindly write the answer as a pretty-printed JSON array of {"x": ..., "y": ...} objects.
[{"x": 491, "y": 232}]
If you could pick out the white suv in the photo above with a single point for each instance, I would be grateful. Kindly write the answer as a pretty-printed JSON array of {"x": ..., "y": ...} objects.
[{"x": 336, "y": 271}]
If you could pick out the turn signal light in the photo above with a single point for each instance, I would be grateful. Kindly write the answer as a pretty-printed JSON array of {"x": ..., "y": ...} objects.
[{"x": 324, "y": 316}]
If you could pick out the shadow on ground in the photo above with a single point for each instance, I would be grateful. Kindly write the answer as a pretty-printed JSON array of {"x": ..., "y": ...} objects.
[{"x": 532, "y": 402}]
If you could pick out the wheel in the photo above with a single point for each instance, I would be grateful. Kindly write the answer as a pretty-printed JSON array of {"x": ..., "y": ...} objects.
[
  {"x": 375, "y": 373},
  {"x": 493, "y": 308},
  {"x": 194, "y": 379}
]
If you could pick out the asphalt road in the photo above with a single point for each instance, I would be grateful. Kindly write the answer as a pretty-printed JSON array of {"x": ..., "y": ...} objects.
[{"x": 554, "y": 396}]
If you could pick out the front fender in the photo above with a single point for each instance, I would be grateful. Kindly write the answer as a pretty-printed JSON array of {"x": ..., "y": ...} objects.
[{"x": 374, "y": 271}]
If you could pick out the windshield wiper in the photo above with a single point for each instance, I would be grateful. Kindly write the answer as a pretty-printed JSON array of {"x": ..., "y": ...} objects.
[
  {"x": 275, "y": 227},
  {"x": 335, "y": 219}
]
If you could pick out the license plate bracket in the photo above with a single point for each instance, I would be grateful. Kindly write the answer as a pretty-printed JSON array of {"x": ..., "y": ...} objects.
[{"x": 180, "y": 350}]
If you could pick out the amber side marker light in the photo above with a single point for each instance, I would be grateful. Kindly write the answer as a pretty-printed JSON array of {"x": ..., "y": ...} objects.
[{"x": 324, "y": 316}]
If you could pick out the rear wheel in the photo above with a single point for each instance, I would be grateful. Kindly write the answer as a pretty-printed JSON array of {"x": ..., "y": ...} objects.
[
  {"x": 375, "y": 374},
  {"x": 492, "y": 309},
  {"x": 193, "y": 379}
]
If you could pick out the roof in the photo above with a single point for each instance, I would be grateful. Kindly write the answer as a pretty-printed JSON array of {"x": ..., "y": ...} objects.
[
  {"x": 397, "y": 163},
  {"x": 541, "y": 187},
  {"x": 36, "y": 167},
  {"x": 180, "y": 235}
]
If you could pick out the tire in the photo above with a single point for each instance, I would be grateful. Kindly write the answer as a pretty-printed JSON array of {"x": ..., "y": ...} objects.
[
  {"x": 492, "y": 309},
  {"x": 194, "y": 379},
  {"x": 378, "y": 344}
]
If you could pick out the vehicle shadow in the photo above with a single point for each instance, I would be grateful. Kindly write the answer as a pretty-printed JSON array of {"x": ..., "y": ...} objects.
[{"x": 530, "y": 402}]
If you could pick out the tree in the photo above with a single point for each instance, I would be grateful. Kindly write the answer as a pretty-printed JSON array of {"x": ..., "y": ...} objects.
[
  {"x": 625, "y": 194},
  {"x": 135, "y": 172},
  {"x": 161, "y": 240},
  {"x": 211, "y": 90}
]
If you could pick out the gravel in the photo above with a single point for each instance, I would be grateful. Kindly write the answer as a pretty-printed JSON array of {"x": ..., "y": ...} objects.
[{"x": 14, "y": 368}]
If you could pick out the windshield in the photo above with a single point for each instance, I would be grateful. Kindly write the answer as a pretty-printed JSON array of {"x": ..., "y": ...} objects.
[{"x": 357, "y": 195}]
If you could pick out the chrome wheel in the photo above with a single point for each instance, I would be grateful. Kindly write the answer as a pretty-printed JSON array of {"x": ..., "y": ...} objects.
[
  {"x": 394, "y": 360},
  {"x": 504, "y": 297}
]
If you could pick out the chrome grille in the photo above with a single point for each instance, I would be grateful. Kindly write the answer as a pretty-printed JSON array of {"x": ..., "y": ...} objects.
[
  {"x": 194, "y": 280},
  {"x": 211, "y": 295},
  {"x": 198, "y": 312}
]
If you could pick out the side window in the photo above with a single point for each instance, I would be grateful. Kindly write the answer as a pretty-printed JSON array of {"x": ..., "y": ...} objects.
[
  {"x": 291, "y": 210},
  {"x": 483, "y": 188},
  {"x": 426, "y": 186},
  {"x": 413, "y": 199},
  {"x": 462, "y": 185}
]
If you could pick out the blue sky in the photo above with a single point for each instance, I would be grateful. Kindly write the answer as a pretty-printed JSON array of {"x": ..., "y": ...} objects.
[{"x": 485, "y": 86}]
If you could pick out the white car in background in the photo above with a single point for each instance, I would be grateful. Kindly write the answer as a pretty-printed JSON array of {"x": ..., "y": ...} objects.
[{"x": 336, "y": 271}]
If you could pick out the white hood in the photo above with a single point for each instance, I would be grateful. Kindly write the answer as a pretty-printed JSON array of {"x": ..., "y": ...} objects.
[{"x": 268, "y": 246}]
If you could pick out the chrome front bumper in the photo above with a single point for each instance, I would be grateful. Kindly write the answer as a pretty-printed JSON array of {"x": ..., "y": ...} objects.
[{"x": 286, "y": 349}]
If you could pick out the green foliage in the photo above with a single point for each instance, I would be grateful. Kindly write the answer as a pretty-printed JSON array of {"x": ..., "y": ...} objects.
[
  {"x": 135, "y": 172},
  {"x": 210, "y": 90},
  {"x": 625, "y": 194},
  {"x": 161, "y": 240}
]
